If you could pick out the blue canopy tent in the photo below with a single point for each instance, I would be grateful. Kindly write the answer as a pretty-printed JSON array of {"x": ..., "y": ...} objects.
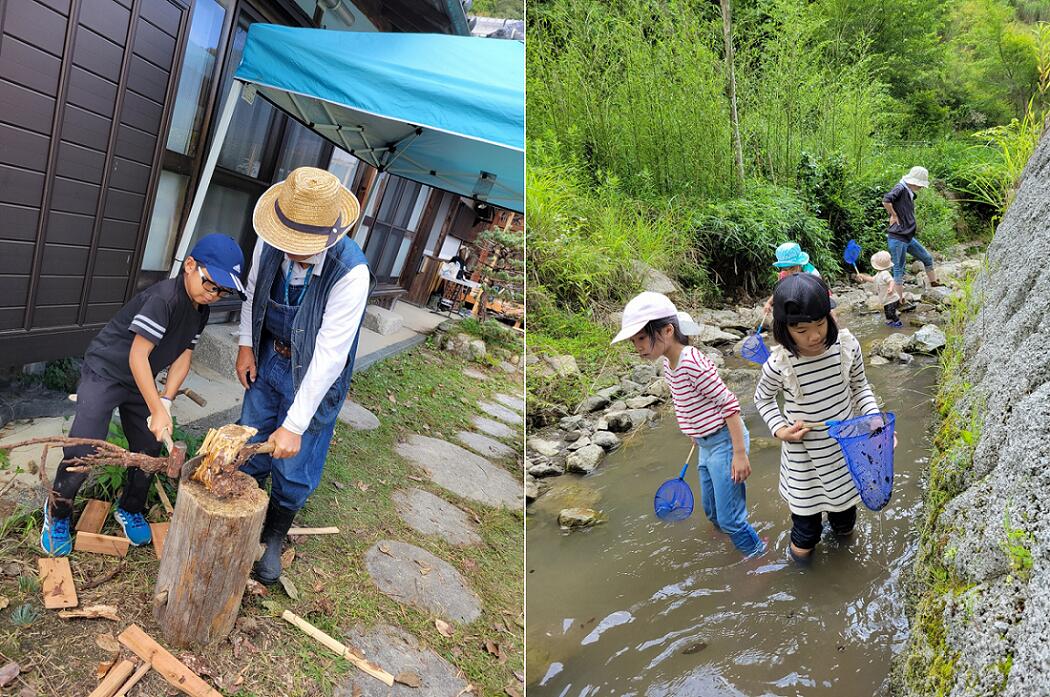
[{"x": 446, "y": 111}]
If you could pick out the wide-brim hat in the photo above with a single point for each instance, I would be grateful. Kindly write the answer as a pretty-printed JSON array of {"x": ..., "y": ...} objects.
[
  {"x": 881, "y": 260},
  {"x": 917, "y": 176},
  {"x": 790, "y": 254},
  {"x": 306, "y": 213},
  {"x": 647, "y": 306}
]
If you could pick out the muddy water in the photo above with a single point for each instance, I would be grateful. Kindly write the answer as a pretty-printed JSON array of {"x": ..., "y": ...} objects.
[{"x": 641, "y": 607}]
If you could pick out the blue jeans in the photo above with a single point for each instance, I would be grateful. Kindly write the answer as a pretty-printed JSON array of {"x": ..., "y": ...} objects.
[
  {"x": 899, "y": 252},
  {"x": 266, "y": 404},
  {"x": 725, "y": 502}
]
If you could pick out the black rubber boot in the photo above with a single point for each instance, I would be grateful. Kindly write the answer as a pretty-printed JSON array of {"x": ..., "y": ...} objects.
[{"x": 278, "y": 521}]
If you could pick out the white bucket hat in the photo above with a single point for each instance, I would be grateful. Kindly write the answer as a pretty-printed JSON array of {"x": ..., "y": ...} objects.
[
  {"x": 881, "y": 260},
  {"x": 647, "y": 306},
  {"x": 918, "y": 176}
]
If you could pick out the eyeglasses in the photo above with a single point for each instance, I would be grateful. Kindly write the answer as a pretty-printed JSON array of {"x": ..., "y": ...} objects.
[{"x": 212, "y": 287}]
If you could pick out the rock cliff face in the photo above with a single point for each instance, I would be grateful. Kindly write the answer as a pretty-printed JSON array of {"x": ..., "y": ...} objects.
[{"x": 986, "y": 629}]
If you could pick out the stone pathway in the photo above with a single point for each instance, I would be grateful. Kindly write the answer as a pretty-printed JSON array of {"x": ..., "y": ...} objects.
[
  {"x": 502, "y": 413},
  {"x": 462, "y": 472},
  {"x": 495, "y": 428},
  {"x": 415, "y": 576},
  {"x": 485, "y": 446},
  {"x": 357, "y": 417},
  {"x": 474, "y": 373},
  {"x": 399, "y": 652},
  {"x": 432, "y": 515},
  {"x": 515, "y": 403}
]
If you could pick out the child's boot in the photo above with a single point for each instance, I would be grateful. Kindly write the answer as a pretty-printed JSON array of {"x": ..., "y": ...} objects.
[
  {"x": 278, "y": 521},
  {"x": 135, "y": 527},
  {"x": 54, "y": 535},
  {"x": 895, "y": 323}
]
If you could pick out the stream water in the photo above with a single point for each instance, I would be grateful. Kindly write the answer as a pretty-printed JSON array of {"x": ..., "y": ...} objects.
[{"x": 636, "y": 606}]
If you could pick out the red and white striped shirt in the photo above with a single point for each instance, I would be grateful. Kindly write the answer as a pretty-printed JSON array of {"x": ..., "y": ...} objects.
[{"x": 702, "y": 402}]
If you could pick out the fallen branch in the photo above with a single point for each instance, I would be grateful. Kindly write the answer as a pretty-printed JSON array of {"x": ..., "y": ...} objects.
[
  {"x": 338, "y": 648},
  {"x": 95, "y": 582},
  {"x": 313, "y": 531}
]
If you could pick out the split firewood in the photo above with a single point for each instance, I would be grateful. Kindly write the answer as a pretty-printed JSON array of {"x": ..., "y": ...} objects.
[
  {"x": 338, "y": 648},
  {"x": 133, "y": 680},
  {"x": 313, "y": 531},
  {"x": 222, "y": 453},
  {"x": 171, "y": 669},
  {"x": 93, "y": 612},
  {"x": 116, "y": 677}
]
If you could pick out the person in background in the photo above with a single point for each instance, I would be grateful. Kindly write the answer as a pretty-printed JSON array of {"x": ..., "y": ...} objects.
[
  {"x": 889, "y": 292},
  {"x": 899, "y": 202}
]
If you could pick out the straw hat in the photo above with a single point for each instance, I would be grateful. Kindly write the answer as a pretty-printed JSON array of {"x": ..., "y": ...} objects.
[
  {"x": 306, "y": 213},
  {"x": 881, "y": 260}
]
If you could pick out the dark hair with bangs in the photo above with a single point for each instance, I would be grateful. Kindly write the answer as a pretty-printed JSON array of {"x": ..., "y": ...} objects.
[
  {"x": 783, "y": 336},
  {"x": 654, "y": 326}
]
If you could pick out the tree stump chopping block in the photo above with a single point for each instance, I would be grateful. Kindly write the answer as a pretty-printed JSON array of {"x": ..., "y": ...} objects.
[{"x": 208, "y": 554}]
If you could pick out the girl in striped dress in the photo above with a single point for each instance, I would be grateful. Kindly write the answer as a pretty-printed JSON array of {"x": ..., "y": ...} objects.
[
  {"x": 819, "y": 370},
  {"x": 706, "y": 410}
]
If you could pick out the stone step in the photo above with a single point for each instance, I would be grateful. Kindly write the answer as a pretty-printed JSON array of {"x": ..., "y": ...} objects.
[
  {"x": 399, "y": 652},
  {"x": 462, "y": 472},
  {"x": 432, "y": 515},
  {"x": 414, "y": 576}
]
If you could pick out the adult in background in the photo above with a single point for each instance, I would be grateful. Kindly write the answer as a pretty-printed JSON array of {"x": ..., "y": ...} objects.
[
  {"x": 899, "y": 202},
  {"x": 306, "y": 296}
]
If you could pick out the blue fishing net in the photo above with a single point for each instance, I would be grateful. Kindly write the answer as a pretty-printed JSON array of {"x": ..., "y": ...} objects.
[
  {"x": 674, "y": 499},
  {"x": 852, "y": 252},
  {"x": 867, "y": 443},
  {"x": 754, "y": 349}
]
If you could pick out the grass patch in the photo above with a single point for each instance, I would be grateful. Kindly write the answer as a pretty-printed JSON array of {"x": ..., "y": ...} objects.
[{"x": 421, "y": 392}]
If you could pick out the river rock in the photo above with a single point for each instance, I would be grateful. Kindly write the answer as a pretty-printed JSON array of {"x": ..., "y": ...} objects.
[
  {"x": 544, "y": 468},
  {"x": 929, "y": 340},
  {"x": 585, "y": 460},
  {"x": 640, "y": 417},
  {"x": 399, "y": 652},
  {"x": 618, "y": 405},
  {"x": 495, "y": 428},
  {"x": 715, "y": 336},
  {"x": 879, "y": 360},
  {"x": 395, "y": 568},
  {"x": 431, "y": 515},
  {"x": 617, "y": 422},
  {"x": 462, "y": 472},
  {"x": 563, "y": 366},
  {"x": 357, "y": 417},
  {"x": 641, "y": 402},
  {"x": 643, "y": 374},
  {"x": 542, "y": 446},
  {"x": 905, "y": 358},
  {"x": 592, "y": 404},
  {"x": 483, "y": 445},
  {"x": 570, "y": 422},
  {"x": 937, "y": 295},
  {"x": 892, "y": 345},
  {"x": 608, "y": 441},
  {"x": 714, "y": 355},
  {"x": 578, "y": 443},
  {"x": 610, "y": 393},
  {"x": 573, "y": 436},
  {"x": 579, "y": 518},
  {"x": 532, "y": 488},
  {"x": 652, "y": 279},
  {"x": 631, "y": 388},
  {"x": 657, "y": 388}
]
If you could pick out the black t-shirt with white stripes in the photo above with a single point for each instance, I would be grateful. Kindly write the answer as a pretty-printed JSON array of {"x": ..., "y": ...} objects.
[{"x": 164, "y": 314}]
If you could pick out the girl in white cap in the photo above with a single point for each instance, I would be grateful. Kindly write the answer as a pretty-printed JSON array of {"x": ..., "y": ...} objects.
[{"x": 706, "y": 410}]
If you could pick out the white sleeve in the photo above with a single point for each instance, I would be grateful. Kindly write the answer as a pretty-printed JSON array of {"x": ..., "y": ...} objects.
[
  {"x": 342, "y": 317},
  {"x": 249, "y": 291}
]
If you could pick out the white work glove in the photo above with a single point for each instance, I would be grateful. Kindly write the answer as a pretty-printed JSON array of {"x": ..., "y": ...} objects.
[{"x": 167, "y": 406}]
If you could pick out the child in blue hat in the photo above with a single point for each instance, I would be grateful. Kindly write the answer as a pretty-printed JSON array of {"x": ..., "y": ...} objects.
[
  {"x": 790, "y": 260},
  {"x": 157, "y": 329}
]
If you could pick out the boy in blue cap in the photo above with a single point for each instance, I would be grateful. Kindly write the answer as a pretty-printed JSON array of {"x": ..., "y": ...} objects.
[{"x": 157, "y": 329}]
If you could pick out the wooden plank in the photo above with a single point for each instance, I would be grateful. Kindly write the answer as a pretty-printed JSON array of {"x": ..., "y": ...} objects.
[
  {"x": 172, "y": 669},
  {"x": 313, "y": 531},
  {"x": 101, "y": 544},
  {"x": 56, "y": 582},
  {"x": 338, "y": 648},
  {"x": 160, "y": 533},
  {"x": 133, "y": 680},
  {"x": 93, "y": 517},
  {"x": 116, "y": 677}
]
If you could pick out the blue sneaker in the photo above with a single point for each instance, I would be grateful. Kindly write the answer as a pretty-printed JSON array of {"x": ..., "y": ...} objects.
[
  {"x": 135, "y": 527},
  {"x": 896, "y": 325},
  {"x": 54, "y": 535}
]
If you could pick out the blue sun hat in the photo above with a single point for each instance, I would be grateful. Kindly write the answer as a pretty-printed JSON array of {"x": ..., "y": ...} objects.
[{"x": 790, "y": 254}]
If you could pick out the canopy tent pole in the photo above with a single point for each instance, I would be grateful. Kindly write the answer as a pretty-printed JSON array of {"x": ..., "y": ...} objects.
[{"x": 209, "y": 169}]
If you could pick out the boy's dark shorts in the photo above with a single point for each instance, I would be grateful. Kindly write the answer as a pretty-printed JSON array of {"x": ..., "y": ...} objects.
[{"x": 806, "y": 529}]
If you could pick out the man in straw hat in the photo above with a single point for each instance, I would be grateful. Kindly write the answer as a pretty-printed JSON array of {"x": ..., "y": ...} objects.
[
  {"x": 306, "y": 296},
  {"x": 899, "y": 202}
]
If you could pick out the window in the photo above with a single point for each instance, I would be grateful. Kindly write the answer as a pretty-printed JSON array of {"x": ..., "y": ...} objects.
[
  {"x": 163, "y": 228},
  {"x": 198, "y": 69},
  {"x": 302, "y": 147}
]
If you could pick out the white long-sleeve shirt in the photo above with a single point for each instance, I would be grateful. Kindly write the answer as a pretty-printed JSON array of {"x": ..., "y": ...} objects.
[{"x": 339, "y": 325}]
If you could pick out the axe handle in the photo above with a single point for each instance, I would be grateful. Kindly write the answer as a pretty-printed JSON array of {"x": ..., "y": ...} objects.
[
  {"x": 167, "y": 442},
  {"x": 200, "y": 401}
]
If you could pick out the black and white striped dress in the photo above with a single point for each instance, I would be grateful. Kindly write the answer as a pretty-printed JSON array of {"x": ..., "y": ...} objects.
[{"x": 813, "y": 473}]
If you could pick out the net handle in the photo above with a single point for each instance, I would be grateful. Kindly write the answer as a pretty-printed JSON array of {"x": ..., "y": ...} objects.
[{"x": 688, "y": 457}]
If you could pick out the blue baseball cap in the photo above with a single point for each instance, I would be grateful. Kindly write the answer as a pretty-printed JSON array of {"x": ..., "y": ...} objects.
[{"x": 223, "y": 259}]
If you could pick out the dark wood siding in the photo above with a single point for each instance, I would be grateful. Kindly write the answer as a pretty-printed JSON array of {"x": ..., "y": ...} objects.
[{"x": 85, "y": 91}]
